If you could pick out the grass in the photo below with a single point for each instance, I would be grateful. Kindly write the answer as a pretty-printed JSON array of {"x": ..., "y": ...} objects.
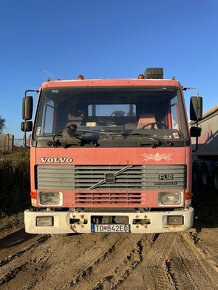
[
  {"x": 11, "y": 221},
  {"x": 14, "y": 181},
  {"x": 16, "y": 156}
]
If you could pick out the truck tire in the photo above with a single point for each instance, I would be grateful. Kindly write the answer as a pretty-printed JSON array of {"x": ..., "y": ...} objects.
[
  {"x": 195, "y": 174},
  {"x": 205, "y": 176},
  {"x": 215, "y": 178}
]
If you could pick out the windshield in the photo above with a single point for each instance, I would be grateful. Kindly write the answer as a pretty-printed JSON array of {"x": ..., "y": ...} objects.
[{"x": 145, "y": 111}]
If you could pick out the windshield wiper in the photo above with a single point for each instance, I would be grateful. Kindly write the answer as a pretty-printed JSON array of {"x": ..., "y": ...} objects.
[
  {"x": 150, "y": 140},
  {"x": 64, "y": 143},
  {"x": 68, "y": 137},
  {"x": 141, "y": 139}
]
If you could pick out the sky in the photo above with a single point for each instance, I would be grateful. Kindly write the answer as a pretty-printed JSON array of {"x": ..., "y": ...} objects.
[{"x": 43, "y": 39}]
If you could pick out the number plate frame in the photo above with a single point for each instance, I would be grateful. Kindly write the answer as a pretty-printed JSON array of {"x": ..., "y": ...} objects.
[{"x": 110, "y": 228}]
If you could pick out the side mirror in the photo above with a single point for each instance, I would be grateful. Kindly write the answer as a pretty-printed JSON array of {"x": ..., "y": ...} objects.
[
  {"x": 196, "y": 108},
  {"x": 27, "y": 108},
  {"x": 195, "y": 131},
  {"x": 27, "y": 126}
]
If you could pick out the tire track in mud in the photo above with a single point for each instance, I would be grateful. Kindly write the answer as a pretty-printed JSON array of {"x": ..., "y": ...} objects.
[
  {"x": 12, "y": 274},
  {"x": 189, "y": 268},
  {"x": 20, "y": 263},
  {"x": 172, "y": 262},
  {"x": 124, "y": 268},
  {"x": 42, "y": 261},
  {"x": 119, "y": 254},
  {"x": 39, "y": 261},
  {"x": 109, "y": 261},
  {"x": 18, "y": 254},
  {"x": 151, "y": 272},
  {"x": 136, "y": 253},
  {"x": 80, "y": 264},
  {"x": 126, "y": 255},
  {"x": 34, "y": 261},
  {"x": 150, "y": 266}
]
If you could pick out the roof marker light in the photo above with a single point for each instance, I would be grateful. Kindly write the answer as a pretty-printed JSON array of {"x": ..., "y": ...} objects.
[
  {"x": 141, "y": 76},
  {"x": 80, "y": 77}
]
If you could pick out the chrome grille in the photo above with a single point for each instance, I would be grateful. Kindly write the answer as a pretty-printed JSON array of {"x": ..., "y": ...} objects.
[{"x": 91, "y": 177}]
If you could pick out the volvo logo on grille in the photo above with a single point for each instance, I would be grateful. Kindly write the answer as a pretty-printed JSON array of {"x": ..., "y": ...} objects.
[
  {"x": 56, "y": 160},
  {"x": 109, "y": 177},
  {"x": 165, "y": 176}
]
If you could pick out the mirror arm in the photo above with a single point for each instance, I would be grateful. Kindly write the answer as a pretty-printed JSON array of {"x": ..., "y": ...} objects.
[
  {"x": 196, "y": 144},
  {"x": 27, "y": 91}
]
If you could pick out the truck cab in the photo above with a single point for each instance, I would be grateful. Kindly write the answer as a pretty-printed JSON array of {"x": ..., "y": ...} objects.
[{"x": 110, "y": 155}]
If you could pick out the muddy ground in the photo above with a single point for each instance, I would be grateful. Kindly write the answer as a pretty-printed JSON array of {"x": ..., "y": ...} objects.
[{"x": 186, "y": 260}]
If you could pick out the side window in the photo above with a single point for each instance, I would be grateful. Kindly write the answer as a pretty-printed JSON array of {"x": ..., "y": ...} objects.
[
  {"x": 118, "y": 110},
  {"x": 174, "y": 113},
  {"x": 48, "y": 118}
]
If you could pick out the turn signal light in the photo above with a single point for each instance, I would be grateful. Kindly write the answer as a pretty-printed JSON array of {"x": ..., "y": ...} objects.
[
  {"x": 188, "y": 199},
  {"x": 33, "y": 194}
]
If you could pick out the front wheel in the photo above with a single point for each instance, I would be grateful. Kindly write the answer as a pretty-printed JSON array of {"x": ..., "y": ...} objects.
[
  {"x": 195, "y": 174},
  {"x": 205, "y": 176},
  {"x": 215, "y": 178}
]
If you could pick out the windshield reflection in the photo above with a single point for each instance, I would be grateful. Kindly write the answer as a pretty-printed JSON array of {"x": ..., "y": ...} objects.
[{"x": 71, "y": 113}]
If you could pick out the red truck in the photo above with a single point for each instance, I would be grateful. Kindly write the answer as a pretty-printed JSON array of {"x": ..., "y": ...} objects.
[{"x": 110, "y": 155}]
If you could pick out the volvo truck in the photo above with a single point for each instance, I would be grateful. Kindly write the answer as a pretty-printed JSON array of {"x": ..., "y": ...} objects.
[{"x": 110, "y": 155}]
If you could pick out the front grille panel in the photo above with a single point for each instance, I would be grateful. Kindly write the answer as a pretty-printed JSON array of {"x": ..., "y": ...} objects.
[
  {"x": 108, "y": 198},
  {"x": 91, "y": 177},
  {"x": 55, "y": 177},
  {"x": 164, "y": 176}
]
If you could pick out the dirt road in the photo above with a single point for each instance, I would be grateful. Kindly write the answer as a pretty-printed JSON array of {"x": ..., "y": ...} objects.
[{"x": 114, "y": 261}]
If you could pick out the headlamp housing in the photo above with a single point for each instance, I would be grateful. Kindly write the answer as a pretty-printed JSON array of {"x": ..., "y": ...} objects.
[
  {"x": 170, "y": 198},
  {"x": 51, "y": 198}
]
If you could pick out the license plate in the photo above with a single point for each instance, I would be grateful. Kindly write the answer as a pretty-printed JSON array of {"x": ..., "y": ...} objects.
[{"x": 108, "y": 228}]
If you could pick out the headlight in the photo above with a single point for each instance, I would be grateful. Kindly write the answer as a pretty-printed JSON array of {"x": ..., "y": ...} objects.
[
  {"x": 50, "y": 198},
  {"x": 170, "y": 198}
]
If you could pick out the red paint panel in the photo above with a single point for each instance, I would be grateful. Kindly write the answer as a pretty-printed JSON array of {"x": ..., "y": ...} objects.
[
  {"x": 110, "y": 156},
  {"x": 111, "y": 83}
]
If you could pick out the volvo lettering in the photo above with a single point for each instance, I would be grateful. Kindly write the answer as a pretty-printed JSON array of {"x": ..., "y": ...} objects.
[{"x": 56, "y": 160}]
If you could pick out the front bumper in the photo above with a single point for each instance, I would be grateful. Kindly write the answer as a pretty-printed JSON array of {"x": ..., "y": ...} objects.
[{"x": 64, "y": 222}]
